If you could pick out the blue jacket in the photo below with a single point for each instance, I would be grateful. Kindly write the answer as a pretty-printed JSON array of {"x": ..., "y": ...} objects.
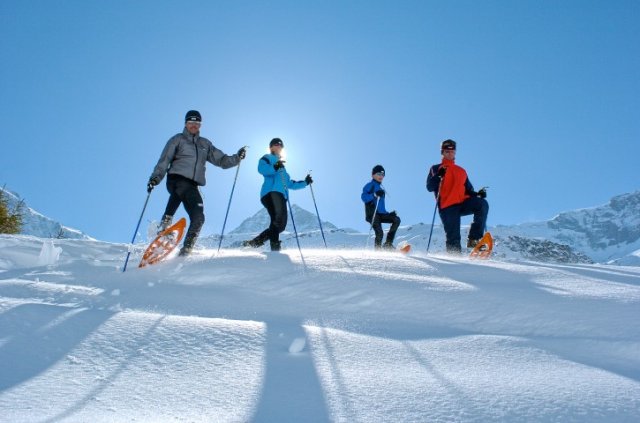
[
  {"x": 276, "y": 180},
  {"x": 368, "y": 196}
]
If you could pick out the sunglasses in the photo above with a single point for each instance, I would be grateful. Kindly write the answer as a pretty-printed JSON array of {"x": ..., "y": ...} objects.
[
  {"x": 379, "y": 174},
  {"x": 193, "y": 122}
]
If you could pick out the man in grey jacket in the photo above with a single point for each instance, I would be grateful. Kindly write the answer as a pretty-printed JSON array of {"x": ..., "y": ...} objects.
[{"x": 184, "y": 159}]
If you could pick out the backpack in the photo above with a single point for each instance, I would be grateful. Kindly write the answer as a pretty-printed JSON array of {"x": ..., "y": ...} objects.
[{"x": 370, "y": 208}]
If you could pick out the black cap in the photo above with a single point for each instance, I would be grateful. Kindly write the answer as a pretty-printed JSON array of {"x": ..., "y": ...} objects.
[
  {"x": 377, "y": 169},
  {"x": 448, "y": 145},
  {"x": 276, "y": 141},
  {"x": 193, "y": 116}
]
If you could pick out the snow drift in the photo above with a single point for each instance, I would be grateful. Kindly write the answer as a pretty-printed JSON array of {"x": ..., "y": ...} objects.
[{"x": 348, "y": 335}]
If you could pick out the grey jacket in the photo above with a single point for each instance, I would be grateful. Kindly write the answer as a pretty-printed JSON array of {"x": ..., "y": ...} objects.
[{"x": 187, "y": 155}]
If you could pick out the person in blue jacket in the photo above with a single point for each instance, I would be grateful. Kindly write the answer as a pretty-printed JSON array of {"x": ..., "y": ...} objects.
[
  {"x": 274, "y": 194},
  {"x": 373, "y": 197}
]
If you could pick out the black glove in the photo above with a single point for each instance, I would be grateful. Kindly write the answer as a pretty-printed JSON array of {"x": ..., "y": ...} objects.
[
  {"x": 242, "y": 153},
  {"x": 308, "y": 180},
  {"x": 152, "y": 183},
  {"x": 442, "y": 171},
  {"x": 380, "y": 193},
  {"x": 279, "y": 165},
  {"x": 482, "y": 193}
]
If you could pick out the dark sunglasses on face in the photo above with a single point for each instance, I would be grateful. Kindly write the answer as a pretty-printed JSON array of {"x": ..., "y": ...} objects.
[{"x": 380, "y": 174}]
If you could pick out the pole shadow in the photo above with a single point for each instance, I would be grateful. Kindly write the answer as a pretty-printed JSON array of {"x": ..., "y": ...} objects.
[
  {"x": 291, "y": 390},
  {"x": 41, "y": 335}
]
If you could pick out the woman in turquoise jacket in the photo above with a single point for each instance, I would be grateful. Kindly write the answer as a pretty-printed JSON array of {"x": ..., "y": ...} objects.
[{"x": 274, "y": 194}]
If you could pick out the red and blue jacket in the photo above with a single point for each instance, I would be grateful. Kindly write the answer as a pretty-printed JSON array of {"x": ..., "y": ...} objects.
[{"x": 453, "y": 188}]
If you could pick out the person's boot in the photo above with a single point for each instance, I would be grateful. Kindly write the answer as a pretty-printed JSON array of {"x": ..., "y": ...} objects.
[
  {"x": 258, "y": 241},
  {"x": 377, "y": 246},
  {"x": 253, "y": 243},
  {"x": 189, "y": 243},
  {"x": 165, "y": 222},
  {"x": 388, "y": 245},
  {"x": 454, "y": 250},
  {"x": 275, "y": 245},
  {"x": 471, "y": 243}
]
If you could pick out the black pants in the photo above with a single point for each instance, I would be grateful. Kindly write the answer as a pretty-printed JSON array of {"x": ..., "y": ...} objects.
[
  {"x": 276, "y": 206},
  {"x": 185, "y": 191},
  {"x": 451, "y": 221},
  {"x": 385, "y": 218}
]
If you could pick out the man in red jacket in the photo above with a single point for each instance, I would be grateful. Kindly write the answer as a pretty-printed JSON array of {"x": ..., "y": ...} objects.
[{"x": 456, "y": 197}]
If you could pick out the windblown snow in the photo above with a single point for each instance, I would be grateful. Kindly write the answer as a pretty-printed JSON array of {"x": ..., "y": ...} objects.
[{"x": 344, "y": 336}]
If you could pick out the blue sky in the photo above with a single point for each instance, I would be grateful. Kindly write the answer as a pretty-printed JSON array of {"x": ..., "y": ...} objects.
[{"x": 542, "y": 97}]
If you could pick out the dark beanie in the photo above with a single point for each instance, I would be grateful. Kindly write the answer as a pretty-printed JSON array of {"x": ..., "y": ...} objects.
[
  {"x": 377, "y": 169},
  {"x": 276, "y": 141},
  {"x": 193, "y": 116},
  {"x": 448, "y": 145}
]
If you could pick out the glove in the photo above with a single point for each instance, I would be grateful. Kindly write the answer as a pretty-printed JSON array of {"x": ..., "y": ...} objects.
[
  {"x": 279, "y": 165},
  {"x": 482, "y": 193},
  {"x": 242, "y": 153},
  {"x": 380, "y": 193},
  {"x": 308, "y": 180},
  {"x": 442, "y": 171},
  {"x": 151, "y": 184}
]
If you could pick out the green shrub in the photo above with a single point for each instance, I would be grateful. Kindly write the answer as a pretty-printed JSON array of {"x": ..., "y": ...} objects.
[{"x": 10, "y": 220}]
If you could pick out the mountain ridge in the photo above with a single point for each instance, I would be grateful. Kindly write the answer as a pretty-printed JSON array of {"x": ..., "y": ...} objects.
[{"x": 609, "y": 233}]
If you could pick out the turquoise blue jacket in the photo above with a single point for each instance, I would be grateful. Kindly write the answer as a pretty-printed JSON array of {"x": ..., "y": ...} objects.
[{"x": 276, "y": 180}]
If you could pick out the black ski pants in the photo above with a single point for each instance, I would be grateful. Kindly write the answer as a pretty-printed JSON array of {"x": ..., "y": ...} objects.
[
  {"x": 451, "y": 221},
  {"x": 381, "y": 218},
  {"x": 185, "y": 191},
  {"x": 276, "y": 206}
]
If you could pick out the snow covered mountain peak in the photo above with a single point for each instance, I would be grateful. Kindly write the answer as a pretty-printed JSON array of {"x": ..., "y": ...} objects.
[
  {"x": 305, "y": 221},
  {"x": 615, "y": 223}
]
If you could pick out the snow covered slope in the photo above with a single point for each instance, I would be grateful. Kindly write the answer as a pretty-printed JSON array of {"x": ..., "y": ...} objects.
[
  {"x": 632, "y": 259},
  {"x": 345, "y": 336},
  {"x": 37, "y": 224}
]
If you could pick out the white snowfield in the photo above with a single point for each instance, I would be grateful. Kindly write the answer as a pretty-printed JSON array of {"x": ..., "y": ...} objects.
[{"x": 348, "y": 336}]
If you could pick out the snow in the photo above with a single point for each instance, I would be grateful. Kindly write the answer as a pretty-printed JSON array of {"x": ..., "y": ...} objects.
[{"x": 348, "y": 336}]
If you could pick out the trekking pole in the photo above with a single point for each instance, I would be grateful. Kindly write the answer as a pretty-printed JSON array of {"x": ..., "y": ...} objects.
[
  {"x": 373, "y": 218},
  {"x": 485, "y": 222},
  {"x": 432, "y": 222},
  {"x": 434, "y": 214},
  {"x": 233, "y": 187},
  {"x": 124, "y": 268},
  {"x": 293, "y": 221},
  {"x": 318, "y": 214}
]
